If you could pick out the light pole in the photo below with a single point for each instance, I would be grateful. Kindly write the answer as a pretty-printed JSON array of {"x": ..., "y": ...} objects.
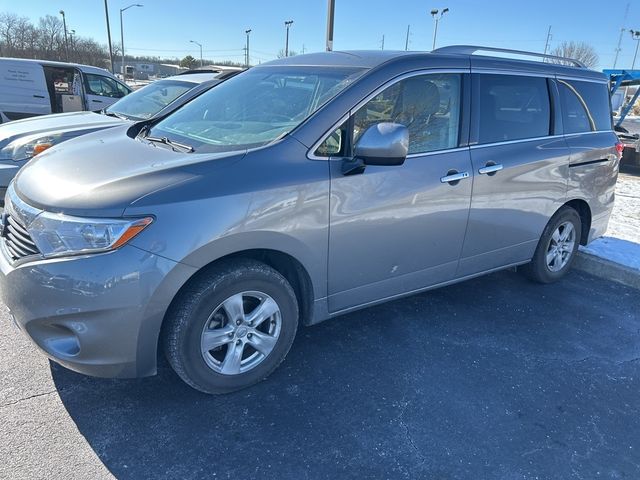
[
  {"x": 287, "y": 24},
  {"x": 106, "y": 14},
  {"x": 406, "y": 42},
  {"x": 618, "y": 49},
  {"x": 66, "y": 39},
  {"x": 547, "y": 43},
  {"x": 200, "y": 45},
  {"x": 330, "y": 10},
  {"x": 72, "y": 33},
  {"x": 434, "y": 14},
  {"x": 122, "y": 36},
  {"x": 635, "y": 34},
  {"x": 248, "y": 31}
]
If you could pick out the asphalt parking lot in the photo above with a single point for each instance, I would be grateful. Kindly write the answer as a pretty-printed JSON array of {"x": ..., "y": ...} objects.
[{"x": 492, "y": 378}]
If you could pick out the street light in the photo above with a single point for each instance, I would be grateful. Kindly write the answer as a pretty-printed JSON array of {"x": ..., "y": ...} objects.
[
  {"x": 330, "y": 17},
  {"x": 66, "y": 40},
  {"x": 248, "y": 31},
  {"x": 122, "y": 34},
  {"x": 635, "y": 34},
  {"x": 106, "y": 14},
  {"x": 287, "y": 24},
  {"x": 434, "y": 14},
  {"x": 200, "y": 45},
  {"x": 72, "y": 33}
]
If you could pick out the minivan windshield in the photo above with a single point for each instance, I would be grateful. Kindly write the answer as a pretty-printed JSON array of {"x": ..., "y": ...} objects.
[
  {"x": 148, "y": 101},
  {"x": 253, "y": 108}
]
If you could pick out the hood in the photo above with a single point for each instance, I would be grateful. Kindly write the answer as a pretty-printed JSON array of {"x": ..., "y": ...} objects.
[
  {"x": 101, "y": 173},
  {"x": 59, "y": 123}
]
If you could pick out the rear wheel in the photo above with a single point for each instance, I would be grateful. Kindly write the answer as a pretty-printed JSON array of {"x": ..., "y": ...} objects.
[
  {"x": 557, "y": 247},
  {"x": 231, "y": 327}
]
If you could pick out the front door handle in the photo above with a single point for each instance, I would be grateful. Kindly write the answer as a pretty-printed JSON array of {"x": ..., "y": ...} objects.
[
  {"x": 97, "y": 101},
  {"x": 453, "y": 177},
  {"x": 490, "y": 169}
]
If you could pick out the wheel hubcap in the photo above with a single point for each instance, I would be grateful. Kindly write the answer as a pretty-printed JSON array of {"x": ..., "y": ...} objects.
[
  {"x": 241, "y": 332},
  {"x": 561, "y": 246}
]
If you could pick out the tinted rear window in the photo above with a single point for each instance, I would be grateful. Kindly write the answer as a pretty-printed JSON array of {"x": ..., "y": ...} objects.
[
  {"x": 513, "y": 107},
  {"x": 586, "y": 106}
]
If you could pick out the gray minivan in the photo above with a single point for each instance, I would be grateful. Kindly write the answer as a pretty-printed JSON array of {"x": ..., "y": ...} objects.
[{"x": 297, "y": 191}]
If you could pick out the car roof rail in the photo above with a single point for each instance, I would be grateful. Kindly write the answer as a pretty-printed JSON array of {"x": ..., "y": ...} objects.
[{"x": 471, "y": 49}]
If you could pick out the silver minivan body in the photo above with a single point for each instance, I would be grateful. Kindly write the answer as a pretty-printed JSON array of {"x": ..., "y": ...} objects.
[{"x": 344, "y": 241}]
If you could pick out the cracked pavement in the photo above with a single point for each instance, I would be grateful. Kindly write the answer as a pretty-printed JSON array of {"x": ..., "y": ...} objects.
[{"x": 492, "y": 378}]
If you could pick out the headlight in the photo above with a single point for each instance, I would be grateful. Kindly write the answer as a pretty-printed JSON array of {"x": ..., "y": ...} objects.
[
  {"x": 25, "y": 148},
  {"x": 58, "y": 235}
]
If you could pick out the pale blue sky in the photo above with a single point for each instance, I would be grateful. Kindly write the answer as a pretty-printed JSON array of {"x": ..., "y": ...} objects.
[{"x": 164, "y": 27}]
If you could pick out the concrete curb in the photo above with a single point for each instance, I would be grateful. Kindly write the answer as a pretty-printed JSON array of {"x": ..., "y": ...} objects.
[{"x": 607, "y": 269}]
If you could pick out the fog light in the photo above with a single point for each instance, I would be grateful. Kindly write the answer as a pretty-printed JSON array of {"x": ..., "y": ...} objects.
[{"x": 61, "y": 341}]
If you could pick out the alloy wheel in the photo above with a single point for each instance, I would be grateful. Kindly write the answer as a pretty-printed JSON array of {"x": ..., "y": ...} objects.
[
  {"x": 561, "y": 246},
  {"x": 241, "y": 332}
]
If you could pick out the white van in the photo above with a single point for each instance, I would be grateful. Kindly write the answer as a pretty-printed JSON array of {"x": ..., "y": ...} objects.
[{"x": 39, "y": 87}]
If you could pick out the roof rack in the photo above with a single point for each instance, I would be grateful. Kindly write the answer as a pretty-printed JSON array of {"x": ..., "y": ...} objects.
[{"x": 471, "y": 49}]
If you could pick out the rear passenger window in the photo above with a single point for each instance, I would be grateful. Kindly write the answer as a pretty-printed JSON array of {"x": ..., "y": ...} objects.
[
  {"x": 586, "y": 106},
  {"x": 513, "y": 107}
]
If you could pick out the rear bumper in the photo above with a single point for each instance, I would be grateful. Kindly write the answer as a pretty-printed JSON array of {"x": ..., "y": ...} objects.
[
  {"x": 599, "y": 225},
  {"x": 98, "y": 314}
]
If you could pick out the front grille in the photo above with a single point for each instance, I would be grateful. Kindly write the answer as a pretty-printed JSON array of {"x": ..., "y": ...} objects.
[{"x": 17, "y": 239}]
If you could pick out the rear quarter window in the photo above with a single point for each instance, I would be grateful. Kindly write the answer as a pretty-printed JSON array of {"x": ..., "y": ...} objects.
[
  {"x": 513, "y": 107},
  {"x": 586, "y": 106}
]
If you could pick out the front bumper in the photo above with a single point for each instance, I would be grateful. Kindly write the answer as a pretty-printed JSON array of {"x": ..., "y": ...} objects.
[
  {"x": 97, "y": 314},
  {"x": 8, "y": 170}
]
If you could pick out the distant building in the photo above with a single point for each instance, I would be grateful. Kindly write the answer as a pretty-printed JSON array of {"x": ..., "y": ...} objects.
[{"x": 142, "y": 71}]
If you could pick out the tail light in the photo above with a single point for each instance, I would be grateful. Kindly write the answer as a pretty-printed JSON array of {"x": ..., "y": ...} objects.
[{"x": 619, "y": 150}]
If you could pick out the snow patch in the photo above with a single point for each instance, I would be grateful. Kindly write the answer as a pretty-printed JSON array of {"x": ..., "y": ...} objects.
[
  {"x": 615, "y": 250},
  {"x": 621, "y": 243}
]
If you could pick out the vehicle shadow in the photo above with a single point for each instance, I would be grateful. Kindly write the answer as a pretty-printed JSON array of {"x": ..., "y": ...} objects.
[{"x": 443, "y": 384}]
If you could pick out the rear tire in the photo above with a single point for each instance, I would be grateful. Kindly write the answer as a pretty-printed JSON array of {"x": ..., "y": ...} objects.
[
  {"x": 213, "y": 326},
  {"x": 557, "y": 247}
]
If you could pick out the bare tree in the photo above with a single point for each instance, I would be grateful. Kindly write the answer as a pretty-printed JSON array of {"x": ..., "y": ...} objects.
[
  {"x": 580, "y": 51},
  {"x": 88, "y": 51},
  {"x": 51, "y": 39},
  {"x": 25, "y": 36},
  {"x": 292, "y": 53},
  {"x": 8, "y": 23},
  {"x": 21, "y": 38}
]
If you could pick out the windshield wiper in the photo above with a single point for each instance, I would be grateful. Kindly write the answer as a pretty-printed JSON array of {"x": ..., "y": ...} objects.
[
  {"x": 175, "y": 145},
  {"x": 117, "y": 115}
]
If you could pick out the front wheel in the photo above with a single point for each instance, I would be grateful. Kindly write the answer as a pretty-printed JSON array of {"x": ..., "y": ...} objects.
[
  {"x": 557, "y": 247},
  {"x": 231, "y": 326}
]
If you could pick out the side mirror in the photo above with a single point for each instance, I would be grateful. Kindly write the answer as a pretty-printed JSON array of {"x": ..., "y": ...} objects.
[{"x": 383, "y": 144}]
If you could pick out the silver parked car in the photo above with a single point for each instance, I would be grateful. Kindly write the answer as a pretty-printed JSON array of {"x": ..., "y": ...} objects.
[
  {"x": 297, "y": 191},
  {"x": 21, "y": 140}
]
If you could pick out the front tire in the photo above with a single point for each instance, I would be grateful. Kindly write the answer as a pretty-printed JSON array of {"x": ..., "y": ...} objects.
[
  {"x": 231, "y": 326},
  {"x": 557, "y": 247}
]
